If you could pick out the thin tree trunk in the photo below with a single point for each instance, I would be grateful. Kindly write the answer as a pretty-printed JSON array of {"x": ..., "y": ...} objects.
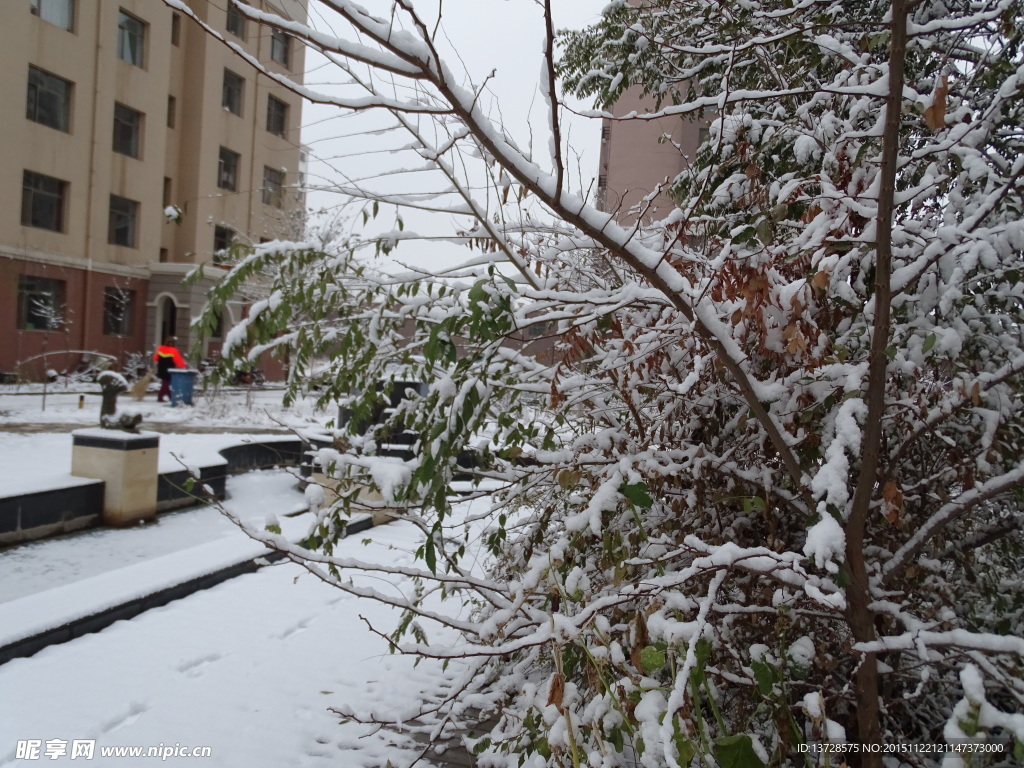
[{"x": 859, "y": 614}]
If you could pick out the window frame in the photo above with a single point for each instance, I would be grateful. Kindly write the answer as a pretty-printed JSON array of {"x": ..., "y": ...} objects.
[
  {"x": 128, "y": 122},
  {"x": 232, "y": 91},
  {"x": 42, "y": 88},
  {"x": 172, "y": 111},
  {"x": 227, "y": 177},
  {"x": 38, "y": 8},
  {"x": 29, "y": 288},
  {"x": 236, "y": 21},
  {"x": 131, "y": 44},
  {"x": 273, "y": 187},
  {"x": 176, "y": 30},
  {"x": 281, "y": 47},
  {"x": 126, "y": 219},
  {"x": 223, "y": 237},
  {"x": 274, "y": 116},
  {"x": 124, "y": 324},
  {"x": 29, "y": 194}
]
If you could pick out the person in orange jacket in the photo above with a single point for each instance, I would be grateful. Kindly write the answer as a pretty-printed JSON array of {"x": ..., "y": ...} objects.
[{"x": 167, "y": 357}]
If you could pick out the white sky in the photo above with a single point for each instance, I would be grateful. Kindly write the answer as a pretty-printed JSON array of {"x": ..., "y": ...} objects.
[{"x": 503, "y": 36}]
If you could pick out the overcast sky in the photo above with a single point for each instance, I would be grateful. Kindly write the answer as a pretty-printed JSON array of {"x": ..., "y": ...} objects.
[{"x": 503, "y": 36}]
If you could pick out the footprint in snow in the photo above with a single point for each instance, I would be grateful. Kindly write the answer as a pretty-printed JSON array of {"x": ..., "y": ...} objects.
[{"x": 193, "y": 667}]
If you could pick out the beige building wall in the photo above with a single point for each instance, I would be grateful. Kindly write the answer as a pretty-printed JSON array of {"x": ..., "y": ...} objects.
[
  {"x": 639, "y": 154},
  {"x": 177, "y": 163}
]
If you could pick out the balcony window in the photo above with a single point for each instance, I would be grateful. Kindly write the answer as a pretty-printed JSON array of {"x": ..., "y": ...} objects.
[
  {"x": 123, "y": 225},
  {"x": 40, "y": 303},
  {"x": 227, "y": 169},
  {"x": 175, "y": 29},
  {"x": 60, "y": 13},
  {"x": 118, "y": 308},
  {"x": 131, "y": 39},
  {"x": 236, "y": 21},
  {"x": 280, "y": 47},
  {"x": 127, "y": 130},
  {"x": 49, "y": 100},
  {"x": 42, "y": 201},
  {"x": 273, "y": 187},
  {"x": 233, "y": 92},
  {"x": 222, "y": 238},
  {"x": 277, "y": 116}
]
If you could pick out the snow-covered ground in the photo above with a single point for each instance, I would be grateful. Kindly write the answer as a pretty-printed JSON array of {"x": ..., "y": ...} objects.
[
  {"x": 249, "y": 668},
  {"x": 250, "y": 408},
  {"x": 41, "y": 565}
]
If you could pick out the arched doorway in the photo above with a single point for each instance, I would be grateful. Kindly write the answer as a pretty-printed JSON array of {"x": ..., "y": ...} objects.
[{"x": 166, "y": 318}]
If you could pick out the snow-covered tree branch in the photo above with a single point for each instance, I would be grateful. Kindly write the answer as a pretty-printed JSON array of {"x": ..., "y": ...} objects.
[{"x": 732, "y": 452}]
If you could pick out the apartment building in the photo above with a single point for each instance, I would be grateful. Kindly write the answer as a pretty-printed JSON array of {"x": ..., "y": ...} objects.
[
  {"x": 639, "y": 154},
  {"x": 119, "y": 110}
]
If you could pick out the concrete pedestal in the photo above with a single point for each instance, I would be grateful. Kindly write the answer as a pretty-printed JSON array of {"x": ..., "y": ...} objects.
[{"x": 127, "y": 463}]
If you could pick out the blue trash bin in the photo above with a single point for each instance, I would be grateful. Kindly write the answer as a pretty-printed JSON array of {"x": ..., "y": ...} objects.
[{"x": 183, "y": 383}]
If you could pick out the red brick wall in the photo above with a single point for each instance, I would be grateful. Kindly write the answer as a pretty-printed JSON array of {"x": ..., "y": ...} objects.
[{"x": 83, "y": 312}]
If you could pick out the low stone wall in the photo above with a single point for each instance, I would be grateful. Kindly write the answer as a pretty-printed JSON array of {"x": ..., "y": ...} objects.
[
  {"x": 25, "y": 517},
  {"x": 50, "y": 512}
]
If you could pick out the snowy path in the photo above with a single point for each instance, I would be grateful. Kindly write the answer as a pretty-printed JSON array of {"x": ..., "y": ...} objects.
[{"x": 247, "y": 668}]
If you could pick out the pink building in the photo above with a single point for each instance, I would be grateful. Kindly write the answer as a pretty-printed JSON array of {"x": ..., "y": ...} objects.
[{"x": 635, "y": 158}]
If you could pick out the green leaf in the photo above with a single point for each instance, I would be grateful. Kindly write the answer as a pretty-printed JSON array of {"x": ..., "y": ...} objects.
[
  {"x": 736, "y": 752},
  {"x": 929, "y": 343},
  {"x": 274, "y": 528},
  {"x": 765, "y": 675},
  {"x": 478, "y": 293},
  {"x": 637, "y": 494},
  {"x": 652, "y": 659},
  {"x": 430, "y": 555},
  {"x": 702, "y": 650},
  {"x": 685, "y": 748}
]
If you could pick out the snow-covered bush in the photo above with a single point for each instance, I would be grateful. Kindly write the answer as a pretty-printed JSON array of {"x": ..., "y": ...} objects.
[{"x": 771, "y": 497}]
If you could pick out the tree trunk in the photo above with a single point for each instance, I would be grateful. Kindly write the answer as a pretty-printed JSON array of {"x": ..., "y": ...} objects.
[{"x": 859, "y": 615}]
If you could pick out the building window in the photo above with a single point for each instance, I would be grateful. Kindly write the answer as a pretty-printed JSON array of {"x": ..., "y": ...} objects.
[
  {"x": 58, "y": 12},
  {"x": 222, "y": 238},
  {"x": 234, "y": 89},
  {"x": 227, "y": 169},
  {"x": 118, "y": 308},
  {"x": 175, "y": 29},
  {"x": 124, "y": 217},
  {"x": 49, "y": 100},
  {"x": 42, "y": 201},
  {"x": 277, "y": 116},
  {"x": 127, "y": 130},
  {"x": 40, "y": 303},
  {"x": 172, "y": 109},
  {"x": 167, "y": 192},
  {"x": 236, "y": 21},
  {"x": 280, "y": 46},
  {"x": 131, "y": 39},
  {"x": 165, "y": 256},
  {"x": 273, "y": 187}
]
